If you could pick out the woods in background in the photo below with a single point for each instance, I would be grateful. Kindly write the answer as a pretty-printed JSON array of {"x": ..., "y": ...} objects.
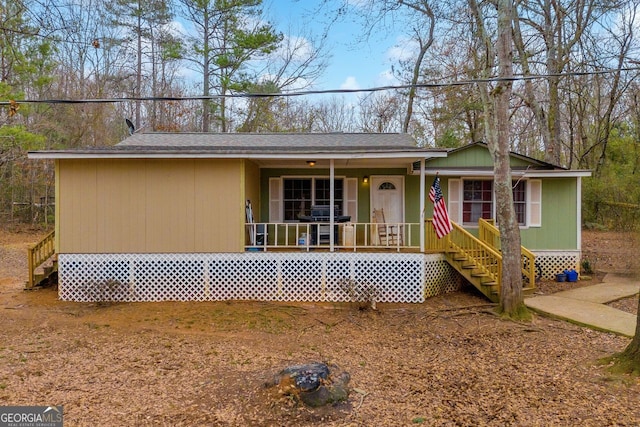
[{"x": 584, "y": 113}]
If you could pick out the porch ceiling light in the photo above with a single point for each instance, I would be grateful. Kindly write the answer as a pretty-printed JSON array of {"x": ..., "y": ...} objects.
[
  {"x": 365, "y": 179},
  {"x": 311, "y": 163}
]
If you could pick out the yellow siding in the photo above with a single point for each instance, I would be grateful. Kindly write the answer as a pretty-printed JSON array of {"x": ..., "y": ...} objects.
[
  {"x": 149, "y": 205},
  {"x": 77, "y": 202},
  {"x": 218, "y": 198},
  {"x": 120, "y": 189},
  {"x": 252, "y": 187},
  {"x": 251, "y": 184}
]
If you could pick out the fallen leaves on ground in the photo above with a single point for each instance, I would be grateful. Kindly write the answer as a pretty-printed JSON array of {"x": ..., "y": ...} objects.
[{"x": 449, "y": 361}]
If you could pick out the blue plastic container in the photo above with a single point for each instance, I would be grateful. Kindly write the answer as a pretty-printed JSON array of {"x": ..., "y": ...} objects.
[
  {"x": 572, "y": 275},
  {"x": 561, "y": 277}
]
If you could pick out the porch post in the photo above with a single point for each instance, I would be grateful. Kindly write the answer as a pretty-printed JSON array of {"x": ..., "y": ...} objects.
[
  {"x": 331, "y": 204},
  {"x": 422, "y": 205}
]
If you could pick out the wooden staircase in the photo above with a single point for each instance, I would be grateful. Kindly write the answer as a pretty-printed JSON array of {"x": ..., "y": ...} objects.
[
  {"x": 37, "y": 255},
  {"x": 480, "y": 262}
]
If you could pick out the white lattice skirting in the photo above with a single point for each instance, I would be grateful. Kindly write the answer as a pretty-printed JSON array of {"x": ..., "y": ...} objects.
[
  {"x": 268, "y": 276},
  {"x": 554, "y": 262}
]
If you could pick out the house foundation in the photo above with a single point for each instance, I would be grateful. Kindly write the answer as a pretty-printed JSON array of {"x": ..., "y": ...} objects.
[{"x": 264, "y": 276}]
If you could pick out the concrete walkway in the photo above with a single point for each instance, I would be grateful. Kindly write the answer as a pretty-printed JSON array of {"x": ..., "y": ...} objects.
[{"x": 585, "y": 306}]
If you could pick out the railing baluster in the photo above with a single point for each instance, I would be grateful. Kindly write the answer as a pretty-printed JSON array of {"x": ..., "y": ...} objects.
[
  {"x": 286, "y": 235},
  {"x": 38, "y": 254}
]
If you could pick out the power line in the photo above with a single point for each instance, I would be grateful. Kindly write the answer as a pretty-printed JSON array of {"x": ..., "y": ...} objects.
[{"x": 319, "y": 92}]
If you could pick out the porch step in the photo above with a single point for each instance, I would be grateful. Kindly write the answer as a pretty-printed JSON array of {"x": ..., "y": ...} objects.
[
  {"x": 476, "y": 260},
  {"x": 42, "y": 279},
  {"x": 470, "y": 270}
]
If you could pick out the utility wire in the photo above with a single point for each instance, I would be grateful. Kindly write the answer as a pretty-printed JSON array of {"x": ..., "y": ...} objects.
[{"x": 318, "y": 92}]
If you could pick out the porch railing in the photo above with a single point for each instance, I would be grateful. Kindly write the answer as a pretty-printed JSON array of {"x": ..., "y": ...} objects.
[
  {"x": 347, "y": 236},
  {"x": 486, "y": 258},
  {"x": 489, "y": 234},
  {"x": 38, "y": 254}
]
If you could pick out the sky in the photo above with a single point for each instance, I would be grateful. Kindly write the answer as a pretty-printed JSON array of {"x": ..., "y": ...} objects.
[{"x": 353, "y": 64}]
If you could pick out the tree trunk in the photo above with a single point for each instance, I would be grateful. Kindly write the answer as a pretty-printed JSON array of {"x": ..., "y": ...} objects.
[
  {"x": 424, "y": 46},
  {"x": 511, "y": 298},
  {"x": 206, "y": 78},
  {"x": 633, "y": 349},
  {"x": 138, "y": 90},
  {"x": 497, "y": 130}
]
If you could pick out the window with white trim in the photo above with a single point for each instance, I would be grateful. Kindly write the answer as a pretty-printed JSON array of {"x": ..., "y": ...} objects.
[
  {"x": 520, "y": 201},
  {"x": 299, "y": 194},
  {"x": 478, "y": 201}
]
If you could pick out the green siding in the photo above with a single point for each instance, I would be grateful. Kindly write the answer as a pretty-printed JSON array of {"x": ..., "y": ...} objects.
[
  {"x": 559, "y": 203},
  {"x": 412, "y": 183},
  {"x": 412, "y": 198},
  {"x": 472, "y": 157},
  {"x": 559, "y": 217}
]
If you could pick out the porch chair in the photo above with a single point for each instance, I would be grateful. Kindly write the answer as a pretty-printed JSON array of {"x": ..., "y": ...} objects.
[{"x": 388, "y": 234}]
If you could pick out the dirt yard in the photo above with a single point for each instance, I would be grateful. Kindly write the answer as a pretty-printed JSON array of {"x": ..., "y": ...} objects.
[{"x": 447, "y": 362}]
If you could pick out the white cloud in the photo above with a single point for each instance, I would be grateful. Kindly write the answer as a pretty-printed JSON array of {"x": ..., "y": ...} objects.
[
  {"x": 404, "y": 49},
  {"x": 295, "y": 48},
  {"x": 386, "y": 78},
  {"x": 350, "y": 83}
]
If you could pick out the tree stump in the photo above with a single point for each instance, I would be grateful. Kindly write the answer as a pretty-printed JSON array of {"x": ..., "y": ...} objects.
[{"x": 314, "y": 384}]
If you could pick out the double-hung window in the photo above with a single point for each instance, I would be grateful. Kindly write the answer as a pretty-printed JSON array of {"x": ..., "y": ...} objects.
[
  {"x": 477, "y": 199},
  {"x": 292, "y": 197},
  {"x": 299, "y": 194},
  {"x": 520, "y": 201}
]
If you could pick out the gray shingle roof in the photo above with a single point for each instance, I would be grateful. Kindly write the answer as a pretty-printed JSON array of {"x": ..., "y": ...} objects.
[
  {"x": 256, "y": 146},
  {"x": 271, "y": 141}
]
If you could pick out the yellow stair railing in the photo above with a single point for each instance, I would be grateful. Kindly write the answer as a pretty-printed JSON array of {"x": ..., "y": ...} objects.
[
  {"x": 432, "y": 243},
  {"x": 489, "y": 234},
  {"x": 38, "y": 254},
  {"x": 478, "y": 262}
]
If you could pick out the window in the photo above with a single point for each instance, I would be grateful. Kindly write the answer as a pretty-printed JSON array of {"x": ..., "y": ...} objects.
[
  {"x": 386, "y": 186},
  {"x": 297, "y": 198},
  {"x": 520, "y": 201},
  {"x": 299, "y": 194},
  {"x": 478, "y": 203}
]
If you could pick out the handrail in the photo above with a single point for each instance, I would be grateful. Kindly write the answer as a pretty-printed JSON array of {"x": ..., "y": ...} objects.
[
  {"x": 432, "y": 242},
  {"x": 39, "y": 253},
  {"x": 489, "y": 261},
  {"x": 347, "y": 236},
  {"x": 489, "y": 233}
]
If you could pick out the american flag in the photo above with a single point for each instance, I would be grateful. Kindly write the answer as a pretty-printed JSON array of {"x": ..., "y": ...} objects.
[{"x": 441, "y": 221}]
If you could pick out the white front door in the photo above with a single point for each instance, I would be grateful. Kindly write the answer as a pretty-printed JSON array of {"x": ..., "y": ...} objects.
[{"x": 387, "y": 192}]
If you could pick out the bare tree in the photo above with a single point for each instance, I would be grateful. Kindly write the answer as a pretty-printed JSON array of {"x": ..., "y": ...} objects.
[
  {"x": 381, "y": 112},
  {"x": 496, "y": 99},
  {"x": 424, "y": 42},
  {"x": 140, "y": 18},
  {"x": 335, "y": 115},
  {"x": 555, "y": 28}
]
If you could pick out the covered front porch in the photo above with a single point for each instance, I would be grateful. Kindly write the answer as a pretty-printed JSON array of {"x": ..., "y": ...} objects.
[
  {"x": 348, "y": 236},
  {"x": 277, "y": 270},
  {"x": 164, "y": 217}
]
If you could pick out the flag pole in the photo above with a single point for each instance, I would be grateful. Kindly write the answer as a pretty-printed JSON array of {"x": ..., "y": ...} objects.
[{"x": 441, "y": 221}]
